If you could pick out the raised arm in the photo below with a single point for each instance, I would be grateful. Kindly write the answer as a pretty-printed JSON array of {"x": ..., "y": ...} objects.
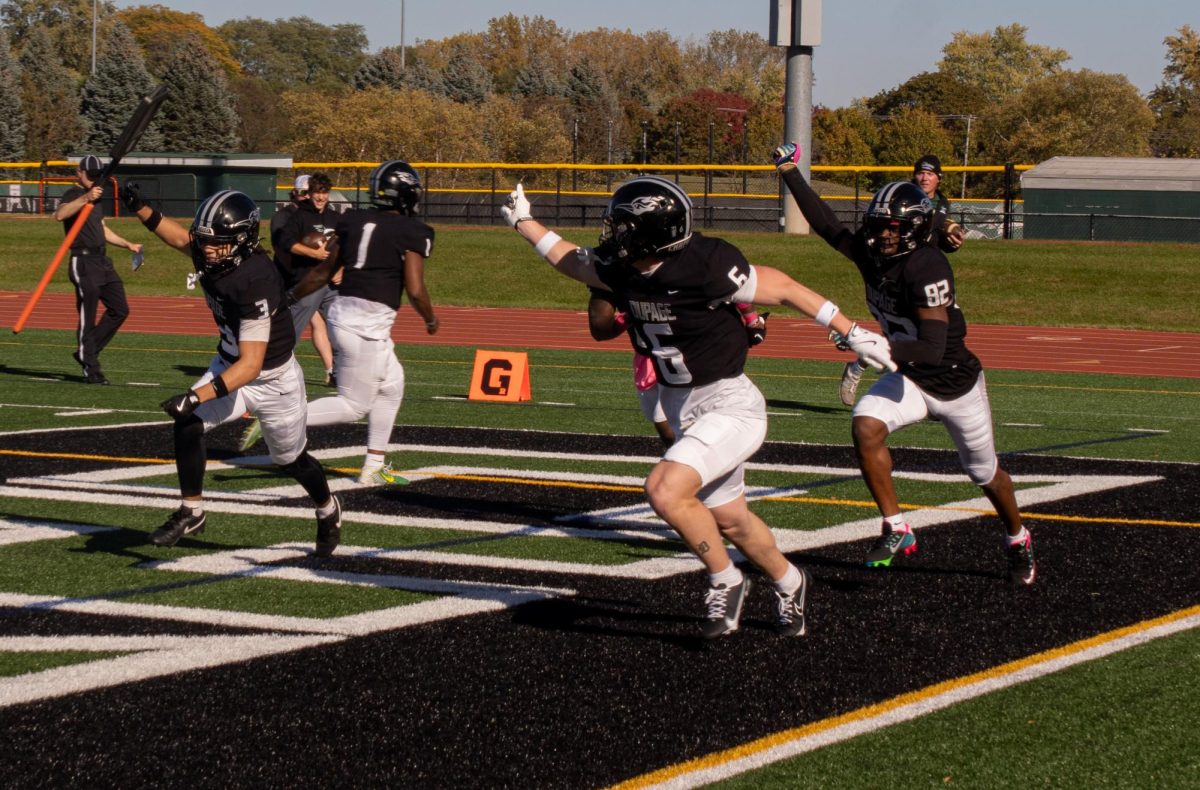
[
  {"x": 816, "y": 211},
  {"x": 558, "y": 252},
  {"x": 167, "y": 229}
]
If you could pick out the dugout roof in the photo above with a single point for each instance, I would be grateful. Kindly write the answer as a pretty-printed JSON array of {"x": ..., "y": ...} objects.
[{"x": 1138, "y": 174}]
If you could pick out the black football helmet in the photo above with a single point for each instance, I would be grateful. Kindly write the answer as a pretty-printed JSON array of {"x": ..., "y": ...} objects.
[
  {"x": 395, "y": 185},
  {"x": 648, "y": 216},
  {"x": 228, "y": 217},
  {"x": 902, "y": 204}
]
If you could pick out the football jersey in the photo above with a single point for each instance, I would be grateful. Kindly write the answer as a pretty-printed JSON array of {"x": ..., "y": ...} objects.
[
  {"x": 372, "y": 245},
  {"x": 91, "y": 235},
  {"x": 895, "y": 292},
  {"x": 681, "y": 313},
  {"x": 253, "y": 290}
]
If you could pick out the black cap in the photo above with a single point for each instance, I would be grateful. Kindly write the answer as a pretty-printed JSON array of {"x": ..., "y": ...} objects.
[
  {"x": 91, "y": 165},
  {"x": 928, "y": 162}
]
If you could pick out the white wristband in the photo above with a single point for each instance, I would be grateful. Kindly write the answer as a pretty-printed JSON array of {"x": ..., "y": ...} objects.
[
  {"x": 826, "y": 313},
  {"x": 547, "y": 243}
]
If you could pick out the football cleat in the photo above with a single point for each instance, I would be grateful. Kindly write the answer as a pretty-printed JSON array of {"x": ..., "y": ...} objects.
[
  {"x": 791, "y": 620},
  {"x": 183, "y": 521},
  {"x": 851, "y": 375},
  {"x": 251, "y": 435},
  {"x": 891, "y": 543},
  {"x": 724, "y": 608},
  {"x": 329, "y": 530},
  {"x": 383, "y": 476},
  {"x": 1022, "y": 568}
]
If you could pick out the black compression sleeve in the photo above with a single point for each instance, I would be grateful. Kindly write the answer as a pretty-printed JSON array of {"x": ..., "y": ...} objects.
[
  {"x": 927, "y": 349},
  {"x": 818, "y": 213}
]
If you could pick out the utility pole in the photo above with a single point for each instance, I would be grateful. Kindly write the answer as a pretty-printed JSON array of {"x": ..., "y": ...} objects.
[
  {"x": 401, "y": 34},
  {"x": 796, "y": 24}
]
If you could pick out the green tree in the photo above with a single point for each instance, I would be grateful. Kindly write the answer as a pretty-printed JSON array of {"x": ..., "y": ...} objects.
[
  {"x": 467, "y": 80},
  {"x": 12, "y": 114},
  {"x": 512, "y": 43},
  {"x": 263, "y": 125},
  {"x": 594, "y": 108},
  {"x": 198, "y": 114},
  {"x": 999, "y": 63},
  {"x": 113, "y": 92},
  {"x": 297, "y": 52},
  {"x": 734, "y": 61},
  {"x": 159, "y": 29},
  {"x": 845, "y": 136},
  {"x": 67, "y": 22},
  {"x": 381, "y": 70},
  {"x": 909, "y": 134},
  {"x": 50, "y": 98},
  {"x": 537, "y": 79},
  {"x": 1072, "y": 113},
  {"x": 1175, "y": 101}
]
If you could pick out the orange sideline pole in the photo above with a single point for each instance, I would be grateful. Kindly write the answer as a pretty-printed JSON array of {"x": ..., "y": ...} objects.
[{"x": 80, "y": 218}]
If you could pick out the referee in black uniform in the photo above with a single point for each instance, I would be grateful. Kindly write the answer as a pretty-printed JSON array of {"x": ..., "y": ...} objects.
[{"x": 92, "y": 271}]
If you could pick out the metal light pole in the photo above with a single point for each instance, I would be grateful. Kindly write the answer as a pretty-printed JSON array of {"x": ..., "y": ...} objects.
[
  {"x": 401, "y": 34},
  {"x": 796, "y": 24}
]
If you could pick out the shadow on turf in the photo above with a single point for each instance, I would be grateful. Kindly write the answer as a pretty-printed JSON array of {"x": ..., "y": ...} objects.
[
  {"x": 75, "y": 378},
  {"x": 597, "y": 617},
  {"x": 792, "y": 405}
]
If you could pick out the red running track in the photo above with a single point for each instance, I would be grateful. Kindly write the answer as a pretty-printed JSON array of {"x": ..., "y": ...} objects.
[{"x": 1132, "y": 353}]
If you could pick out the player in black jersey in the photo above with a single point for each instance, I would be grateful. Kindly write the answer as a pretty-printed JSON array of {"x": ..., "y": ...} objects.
[
  {"x": 96, "y": 281},
  {"x": 910, "y": 290},
  {"x": 381, "y": 253},
  {"x": 679, "y": 290},
  {"x": 942, "y": 231},
  {"x": 254, "y": 368}
]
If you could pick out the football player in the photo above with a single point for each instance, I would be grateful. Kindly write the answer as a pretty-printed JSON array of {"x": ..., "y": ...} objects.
[
  {"x": 910, "y": 291},
  {"x": 678, "y": 290},
  {"x": 381, "y": 253},
  {"x": 942, "y": 231},
  {"x": 606, "y": 322},
  {"x": 254, "y": 368}
]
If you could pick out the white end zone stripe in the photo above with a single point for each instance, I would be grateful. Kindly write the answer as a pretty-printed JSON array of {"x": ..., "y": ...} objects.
[{"x": 801, "y": 740}]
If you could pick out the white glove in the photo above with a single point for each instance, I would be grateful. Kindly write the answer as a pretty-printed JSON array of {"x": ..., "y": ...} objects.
[
  {"x": 516, "y": 208},
  {"x": 872, "y": 349}
]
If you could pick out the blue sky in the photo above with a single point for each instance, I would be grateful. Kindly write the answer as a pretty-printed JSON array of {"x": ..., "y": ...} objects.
[{"x": 868, "y": 45}]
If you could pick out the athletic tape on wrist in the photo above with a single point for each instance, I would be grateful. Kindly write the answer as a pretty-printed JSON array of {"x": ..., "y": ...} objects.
[
  {"x": 547, "y": 243},
  {"x": 218, "y": 385},
  {"x": 825, "y": 315}
]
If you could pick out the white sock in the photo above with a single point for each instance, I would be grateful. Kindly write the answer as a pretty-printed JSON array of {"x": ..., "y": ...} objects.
[
  {"x": 372, "y": 462},
  {"x": 897, "y": 523},
  {"x": 196, "y": 506},
  {"x": 324, "y": 511},
  {"x": 790, "y": 581},
  {"x": 730, "y": 577},
  {"x": 1019, "y": 538}
]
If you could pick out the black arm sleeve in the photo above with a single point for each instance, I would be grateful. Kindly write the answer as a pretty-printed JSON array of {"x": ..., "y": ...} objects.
[
  {"x": 927, "y": 349},
  {"x": 820, "y": 217}
]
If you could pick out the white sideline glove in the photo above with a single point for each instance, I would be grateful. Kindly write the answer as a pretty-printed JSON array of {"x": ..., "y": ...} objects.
[
  {"x": 516, "y": 208},
  {"x": 872, "y": 349}
]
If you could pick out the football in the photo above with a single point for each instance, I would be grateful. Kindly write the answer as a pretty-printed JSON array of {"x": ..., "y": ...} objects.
[{"x": 316, "y": 239}]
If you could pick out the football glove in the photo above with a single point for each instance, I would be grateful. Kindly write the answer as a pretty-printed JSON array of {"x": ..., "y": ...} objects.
[
  {"x": 872, "y": 349},
  {"x": 786, "y": 155},
  {"x": 181, "y": 406},
  {"x": 756, "y": 332},
  {"x": 839, "y": 340},
  {"x": 131, "y": 196},
  {"x": 516, "y": 208}
]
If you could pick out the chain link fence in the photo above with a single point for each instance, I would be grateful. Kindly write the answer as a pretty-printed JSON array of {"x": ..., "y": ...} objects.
[{"x": 726, "y": 197}]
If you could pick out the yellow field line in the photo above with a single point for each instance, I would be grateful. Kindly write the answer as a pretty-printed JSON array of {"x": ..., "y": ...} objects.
[{"x": 774, "y": 740}]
